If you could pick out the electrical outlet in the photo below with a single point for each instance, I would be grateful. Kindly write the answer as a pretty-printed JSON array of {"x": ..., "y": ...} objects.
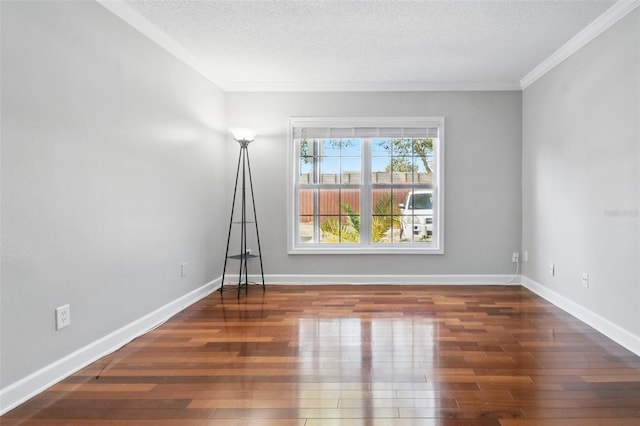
[
  {"x": 585, "y": 280},
  {"x": 183, "y": 270},
  {"x": 525, "y": 256},
  {"x": 514, "y": 257},
  {"x": 552, "y": 269},
  {"x": 63, "y": 317}
]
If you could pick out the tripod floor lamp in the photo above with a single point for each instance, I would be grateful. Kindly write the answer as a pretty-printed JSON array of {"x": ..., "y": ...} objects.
[{"x": 245, "y": 215}]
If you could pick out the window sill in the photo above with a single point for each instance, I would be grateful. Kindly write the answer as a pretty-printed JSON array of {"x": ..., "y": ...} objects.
[{"x": 397, "y": 250}]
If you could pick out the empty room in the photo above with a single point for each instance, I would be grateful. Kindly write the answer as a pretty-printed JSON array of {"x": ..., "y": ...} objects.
[{"x": 292, "y": 212}]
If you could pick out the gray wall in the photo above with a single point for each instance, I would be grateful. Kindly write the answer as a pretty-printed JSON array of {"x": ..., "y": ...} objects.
[
  {"x": 112, "y": 174},
  {"x": 580, "y": 175},
  {"x": 482, "y": 172}
]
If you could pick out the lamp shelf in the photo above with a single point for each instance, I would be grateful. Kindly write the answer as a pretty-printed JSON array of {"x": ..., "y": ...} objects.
[{"x": 243, "y": 256}]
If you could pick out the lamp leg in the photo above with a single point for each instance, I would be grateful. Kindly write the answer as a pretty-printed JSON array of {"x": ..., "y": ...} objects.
[
  {"x": 255, "y": 217},
  {"x": 233, "y": 204}
]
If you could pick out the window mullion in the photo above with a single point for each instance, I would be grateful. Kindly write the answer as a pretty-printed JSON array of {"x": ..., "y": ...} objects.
[
  {"x": 296, "y": 192},
  {"x": 316, "y": 191},
  {"x": 366, "y": 194}
]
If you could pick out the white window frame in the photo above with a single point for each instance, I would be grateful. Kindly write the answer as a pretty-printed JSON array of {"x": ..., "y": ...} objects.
[{"x": 364, "y": 247}]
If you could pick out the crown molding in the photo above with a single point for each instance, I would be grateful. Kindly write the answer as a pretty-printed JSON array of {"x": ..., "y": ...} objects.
[
  {"x": 371, "y": 87},
  {"x": 616, "y": 12},
  {"x": 155, "y": 34}
]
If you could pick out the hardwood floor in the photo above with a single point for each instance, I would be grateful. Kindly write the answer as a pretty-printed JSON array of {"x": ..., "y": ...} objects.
[{"x": 355, "y": 355}]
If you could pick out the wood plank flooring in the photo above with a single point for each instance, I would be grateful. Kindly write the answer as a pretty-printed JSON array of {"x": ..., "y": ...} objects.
[{"x": 355, "y": 355}]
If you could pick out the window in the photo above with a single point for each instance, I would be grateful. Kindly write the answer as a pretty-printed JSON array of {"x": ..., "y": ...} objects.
[{"x": 366, "y": 185}]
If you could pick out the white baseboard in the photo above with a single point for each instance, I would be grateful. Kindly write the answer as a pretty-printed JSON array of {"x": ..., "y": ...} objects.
[
  {"x": 614, "y": 332},
  {"x": 16, "y": 393},
  {"x": 327, "y": 279}
]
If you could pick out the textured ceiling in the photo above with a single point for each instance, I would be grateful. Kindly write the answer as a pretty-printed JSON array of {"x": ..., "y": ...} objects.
[{"x": 350, "y": 44}]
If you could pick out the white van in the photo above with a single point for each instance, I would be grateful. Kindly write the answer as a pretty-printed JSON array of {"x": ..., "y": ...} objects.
[{"x": 417, "y": 214}]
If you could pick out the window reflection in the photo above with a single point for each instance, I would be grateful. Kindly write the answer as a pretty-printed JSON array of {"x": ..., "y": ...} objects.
[{"x": 370, "y": 364}]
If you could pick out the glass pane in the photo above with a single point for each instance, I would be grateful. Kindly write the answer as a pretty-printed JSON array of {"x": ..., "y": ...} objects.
[
  {"x": 385, "y": 223},
  {"x": 331, "y": 147},
  {"x": 305, "y": 229},
  {"x": 417, "y": 216},
  {"x": 423, "y": 178},
  {"x": 380, "y": 164},
  {"x": 305, "y": 202},
  {"x": 350, "y": 215},
  {"x": 419, "y": 164},
  {"x": 339, "y": 229},
  {"x": 423, "y": 156},
  {"x": 330, "y": 170},
  {"x": 349, "y": 233},
  {"x": 402, "y": 164},
  {"x": 329, "y": 202},
  {"x": 350, "y": 201},
  {"x": 341, "y": 222},
  {"x": 352, "y": 178},
  {"x": 351, "y": 167},
  {"x": 402, "y": 147},
  {"x": 351, "y": 147},
  {"x": 400, "y": 197},
  {"x": 330, "y": 229},
  {"x": 380, "y": 167},
  {"x": 306, "y": 148},
  {"x": 422, "y": 146},
  {"x": 381, "y": 147},
  {"x": 420, "y": 200},
  {"x": 381, "y": 202},
  {"x": 384, "y": 229},
  {"x": 306, "y": 170}
]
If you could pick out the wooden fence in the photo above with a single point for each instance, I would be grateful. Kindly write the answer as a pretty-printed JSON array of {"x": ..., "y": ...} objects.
[{"x": 331, "y": 199}]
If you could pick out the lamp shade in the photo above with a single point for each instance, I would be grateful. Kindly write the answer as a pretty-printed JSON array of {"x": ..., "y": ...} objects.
[{"x": 242, "y": 134}]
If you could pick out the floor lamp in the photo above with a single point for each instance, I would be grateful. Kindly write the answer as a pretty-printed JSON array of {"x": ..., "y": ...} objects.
[{"x": 243, "y": 177}]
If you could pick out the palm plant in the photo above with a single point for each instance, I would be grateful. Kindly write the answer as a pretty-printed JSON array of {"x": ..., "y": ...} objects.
[
  {"x": 385, "y": 215},
  {"x": 348, "y": 230}
]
